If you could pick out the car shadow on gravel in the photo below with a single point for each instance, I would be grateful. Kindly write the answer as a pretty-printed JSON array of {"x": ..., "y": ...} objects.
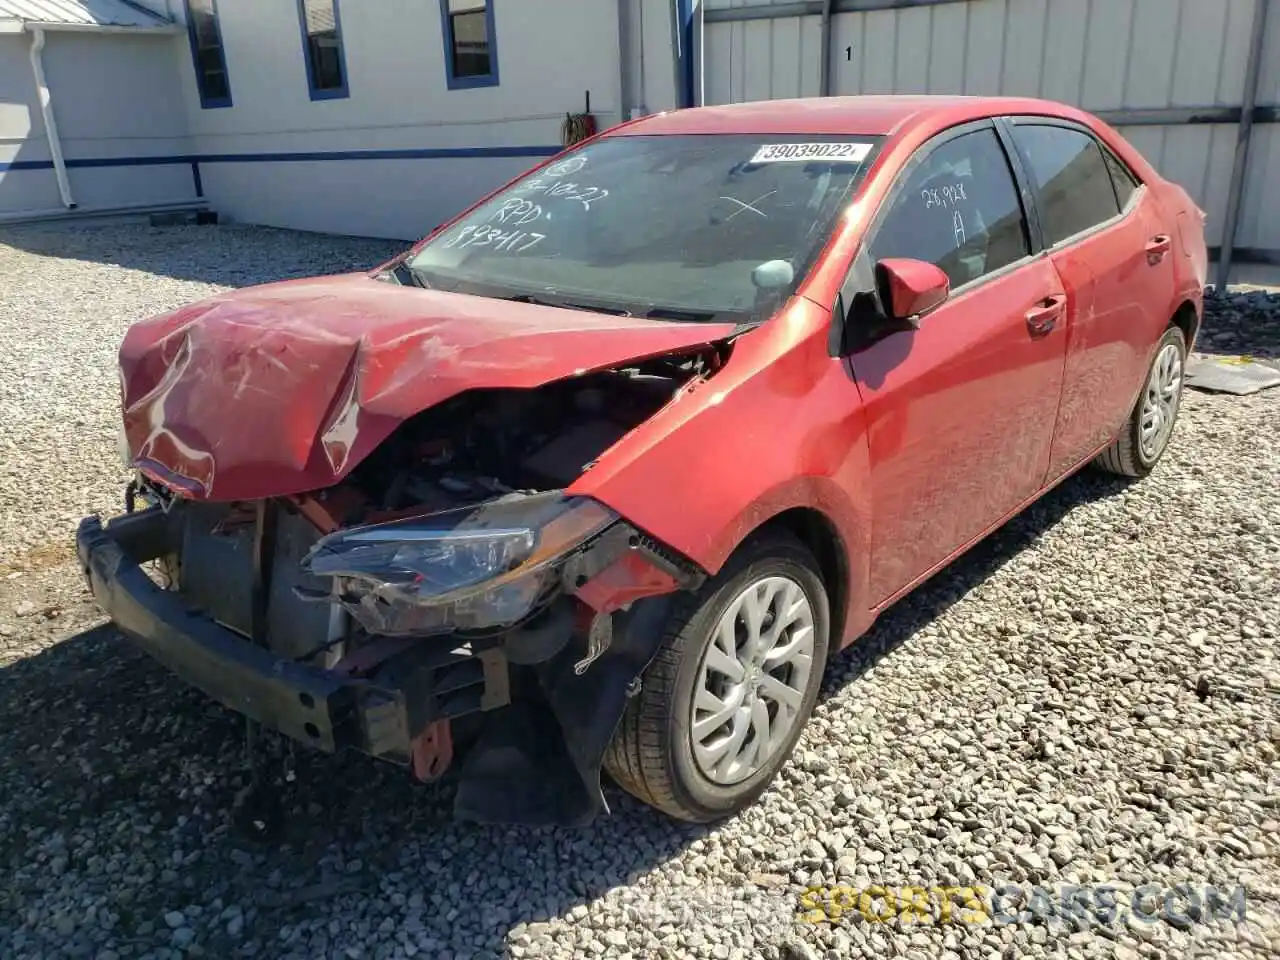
[
  {"x": 228, "y": 255},
  {"x": 119, "y": 782},
  {"x": 101, "y": 750},
  {"x": 948, "y": 586}
]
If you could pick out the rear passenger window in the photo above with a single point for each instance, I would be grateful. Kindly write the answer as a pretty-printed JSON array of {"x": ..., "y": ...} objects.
[
  {"x": 1075, "y": 185},
  {"x": 1122, "y": 177},
  {"x": 958, "y": 210}
]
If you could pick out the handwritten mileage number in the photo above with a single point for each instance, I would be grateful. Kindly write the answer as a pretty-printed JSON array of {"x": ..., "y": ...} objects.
[
  {"x": 944, "y": 196},
  {"x": 503, "y": 234},
  {"x": 513, "y": 241}
]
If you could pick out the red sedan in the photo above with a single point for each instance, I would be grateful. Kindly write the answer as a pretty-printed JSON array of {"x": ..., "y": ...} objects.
[{"x": 600, "y": 473}]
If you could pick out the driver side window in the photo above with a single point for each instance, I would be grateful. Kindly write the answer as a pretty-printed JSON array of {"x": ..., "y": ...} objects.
[{"x": 959, "y": 210}]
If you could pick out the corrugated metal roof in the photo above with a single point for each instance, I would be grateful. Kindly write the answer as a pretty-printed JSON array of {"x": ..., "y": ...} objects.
[{"x": 90, "y": 13}]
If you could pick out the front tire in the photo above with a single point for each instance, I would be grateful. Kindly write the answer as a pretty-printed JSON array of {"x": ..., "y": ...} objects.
[
  {"x": 1145, "y": 435},
  {"x": 724, "y": 701}
]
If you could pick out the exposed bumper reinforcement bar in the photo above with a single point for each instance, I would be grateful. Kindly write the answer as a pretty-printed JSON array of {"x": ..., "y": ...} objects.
[
  {"x": 537, "y": 760},
  {"x": 378, "y": 714}
]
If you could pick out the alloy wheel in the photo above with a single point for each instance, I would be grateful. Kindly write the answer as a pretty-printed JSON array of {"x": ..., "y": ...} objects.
[
  {"x": 1160, "y": 401},
  {"x": 751, "y": 683}
]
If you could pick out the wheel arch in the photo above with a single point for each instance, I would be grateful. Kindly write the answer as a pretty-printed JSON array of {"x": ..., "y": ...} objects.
[
  {"x": 819, "y": 533},
  {"x": 1187, "y": 319}
]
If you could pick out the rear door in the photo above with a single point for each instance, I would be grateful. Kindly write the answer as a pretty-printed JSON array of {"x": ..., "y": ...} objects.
[
  {"x": 960, "y": 412},
  {"x": 1109, "y": 243}
]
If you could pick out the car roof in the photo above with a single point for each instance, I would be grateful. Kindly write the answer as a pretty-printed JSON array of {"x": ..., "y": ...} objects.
[{"x": 861, "y": 115}]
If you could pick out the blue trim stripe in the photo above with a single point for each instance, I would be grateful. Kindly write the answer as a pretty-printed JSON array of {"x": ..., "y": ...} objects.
[
  {"x": 444, "y": 153},
  {"x": 114, "y": 162},
  {"x": 94, "y": 162}
]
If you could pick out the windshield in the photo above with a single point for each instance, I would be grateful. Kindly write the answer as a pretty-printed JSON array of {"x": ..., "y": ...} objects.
[{"x": 704, "y": 227}]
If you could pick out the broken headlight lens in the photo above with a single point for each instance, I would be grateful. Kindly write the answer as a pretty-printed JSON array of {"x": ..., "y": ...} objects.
[{"x": 470, "y": 569}]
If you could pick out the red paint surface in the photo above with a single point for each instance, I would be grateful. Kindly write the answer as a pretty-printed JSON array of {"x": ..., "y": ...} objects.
[
  {"x": 1118, "y": 307},
  {"x": 922, "y": 444},
  {"x": 623, "y": 582},
  {"x": 285, "y": 388},
  {"x": 914, "y": 287},
  {"x": 909, "y": 450}
]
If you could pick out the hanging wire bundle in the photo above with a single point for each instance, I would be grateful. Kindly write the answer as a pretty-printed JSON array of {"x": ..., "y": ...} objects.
[{"x": 578, "y": 126}]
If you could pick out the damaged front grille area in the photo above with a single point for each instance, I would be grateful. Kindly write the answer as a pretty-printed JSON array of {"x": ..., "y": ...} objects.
[
  {"x": 448, "y": 579},
  {"x": 452, "y": 504},
  {"x": 436, "y": 682},
  {"x": 215, "y": 572}
]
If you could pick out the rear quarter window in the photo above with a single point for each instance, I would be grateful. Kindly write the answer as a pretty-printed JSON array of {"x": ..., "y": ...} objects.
[
  {"x": 1072, "y": 178},
  {"x": 1124, "y": 180}
]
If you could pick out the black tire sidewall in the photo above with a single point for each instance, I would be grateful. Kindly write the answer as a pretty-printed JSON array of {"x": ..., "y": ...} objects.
[
  {"x": 773, "y": 556},
  {"x": 1172, "y": 335}
]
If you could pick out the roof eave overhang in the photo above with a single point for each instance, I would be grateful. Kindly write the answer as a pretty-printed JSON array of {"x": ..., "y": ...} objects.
[{"x": 19, "y": 26}]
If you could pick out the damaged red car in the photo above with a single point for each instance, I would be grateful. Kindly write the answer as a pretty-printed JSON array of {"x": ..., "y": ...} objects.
[{"x": 598, "y": 475}]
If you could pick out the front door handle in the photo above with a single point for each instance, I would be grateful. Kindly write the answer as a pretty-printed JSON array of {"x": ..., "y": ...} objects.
[
  {"x": 1157, "y": 247},
  {"x": 1044, "y": 315}
]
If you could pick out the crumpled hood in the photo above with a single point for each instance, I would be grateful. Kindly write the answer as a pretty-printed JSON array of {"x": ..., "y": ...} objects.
[{"x": 285, "y": 388}]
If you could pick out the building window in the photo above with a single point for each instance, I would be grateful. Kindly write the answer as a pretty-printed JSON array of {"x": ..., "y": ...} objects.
[
  {"x": 470, "y": 46},
  {"x": 322, "y": 47},
  {"x": 207, "y": 53}
]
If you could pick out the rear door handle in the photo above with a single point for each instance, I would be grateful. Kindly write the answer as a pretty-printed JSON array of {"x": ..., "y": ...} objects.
[
  {"x": 1157, "y": 247},
  {"x": 1044, "y": 316}
]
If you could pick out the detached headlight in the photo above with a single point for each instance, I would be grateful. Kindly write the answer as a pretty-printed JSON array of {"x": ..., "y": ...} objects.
[{"x": 469, "y": 569}]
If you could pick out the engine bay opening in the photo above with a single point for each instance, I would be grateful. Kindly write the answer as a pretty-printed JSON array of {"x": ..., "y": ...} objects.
[
  {"x": 435, "y": 531},
  {"x": 451, "y": 574},
  {"x": 489, "y": 443}
]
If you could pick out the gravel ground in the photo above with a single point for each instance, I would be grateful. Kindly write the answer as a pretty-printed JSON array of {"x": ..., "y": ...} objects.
[{"x": 1092, "y": 696}]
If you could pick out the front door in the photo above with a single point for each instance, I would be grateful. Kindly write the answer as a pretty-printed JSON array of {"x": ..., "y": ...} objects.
[{"x": 960, "y": 412}]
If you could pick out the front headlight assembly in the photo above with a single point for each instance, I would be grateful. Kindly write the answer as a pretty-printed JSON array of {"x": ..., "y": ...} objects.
[{"x": 474, "y": 568}]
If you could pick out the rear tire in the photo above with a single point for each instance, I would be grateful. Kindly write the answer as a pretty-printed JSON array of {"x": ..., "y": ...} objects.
[
  {"x": 1145, "y": 435},
  {"x": 748, "y": 647}
]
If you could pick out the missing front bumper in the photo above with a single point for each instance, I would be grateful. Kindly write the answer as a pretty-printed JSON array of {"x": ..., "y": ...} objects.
[
  {"x": 536, "y": 760},
  {"x": 380, "y": 713}
]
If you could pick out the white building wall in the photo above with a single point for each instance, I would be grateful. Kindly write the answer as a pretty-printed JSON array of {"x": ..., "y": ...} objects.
[
  {"x": 549, "y": 57},
  {"x": 21, "y": 134},
  {"x": 116, "y": 102},
  {"x": 650, "y": 63},
  {"x": 278, "y": 157},
  {"x": 1103, "y": 55},
  {"x": 116, "y": 99}
]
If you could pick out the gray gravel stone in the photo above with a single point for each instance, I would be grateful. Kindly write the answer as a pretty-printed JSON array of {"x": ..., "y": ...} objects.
[{"x": 1090, "y": 696}]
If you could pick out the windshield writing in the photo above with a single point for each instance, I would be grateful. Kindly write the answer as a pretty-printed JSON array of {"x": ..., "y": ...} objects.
[{"x": 704, "y": 227}]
